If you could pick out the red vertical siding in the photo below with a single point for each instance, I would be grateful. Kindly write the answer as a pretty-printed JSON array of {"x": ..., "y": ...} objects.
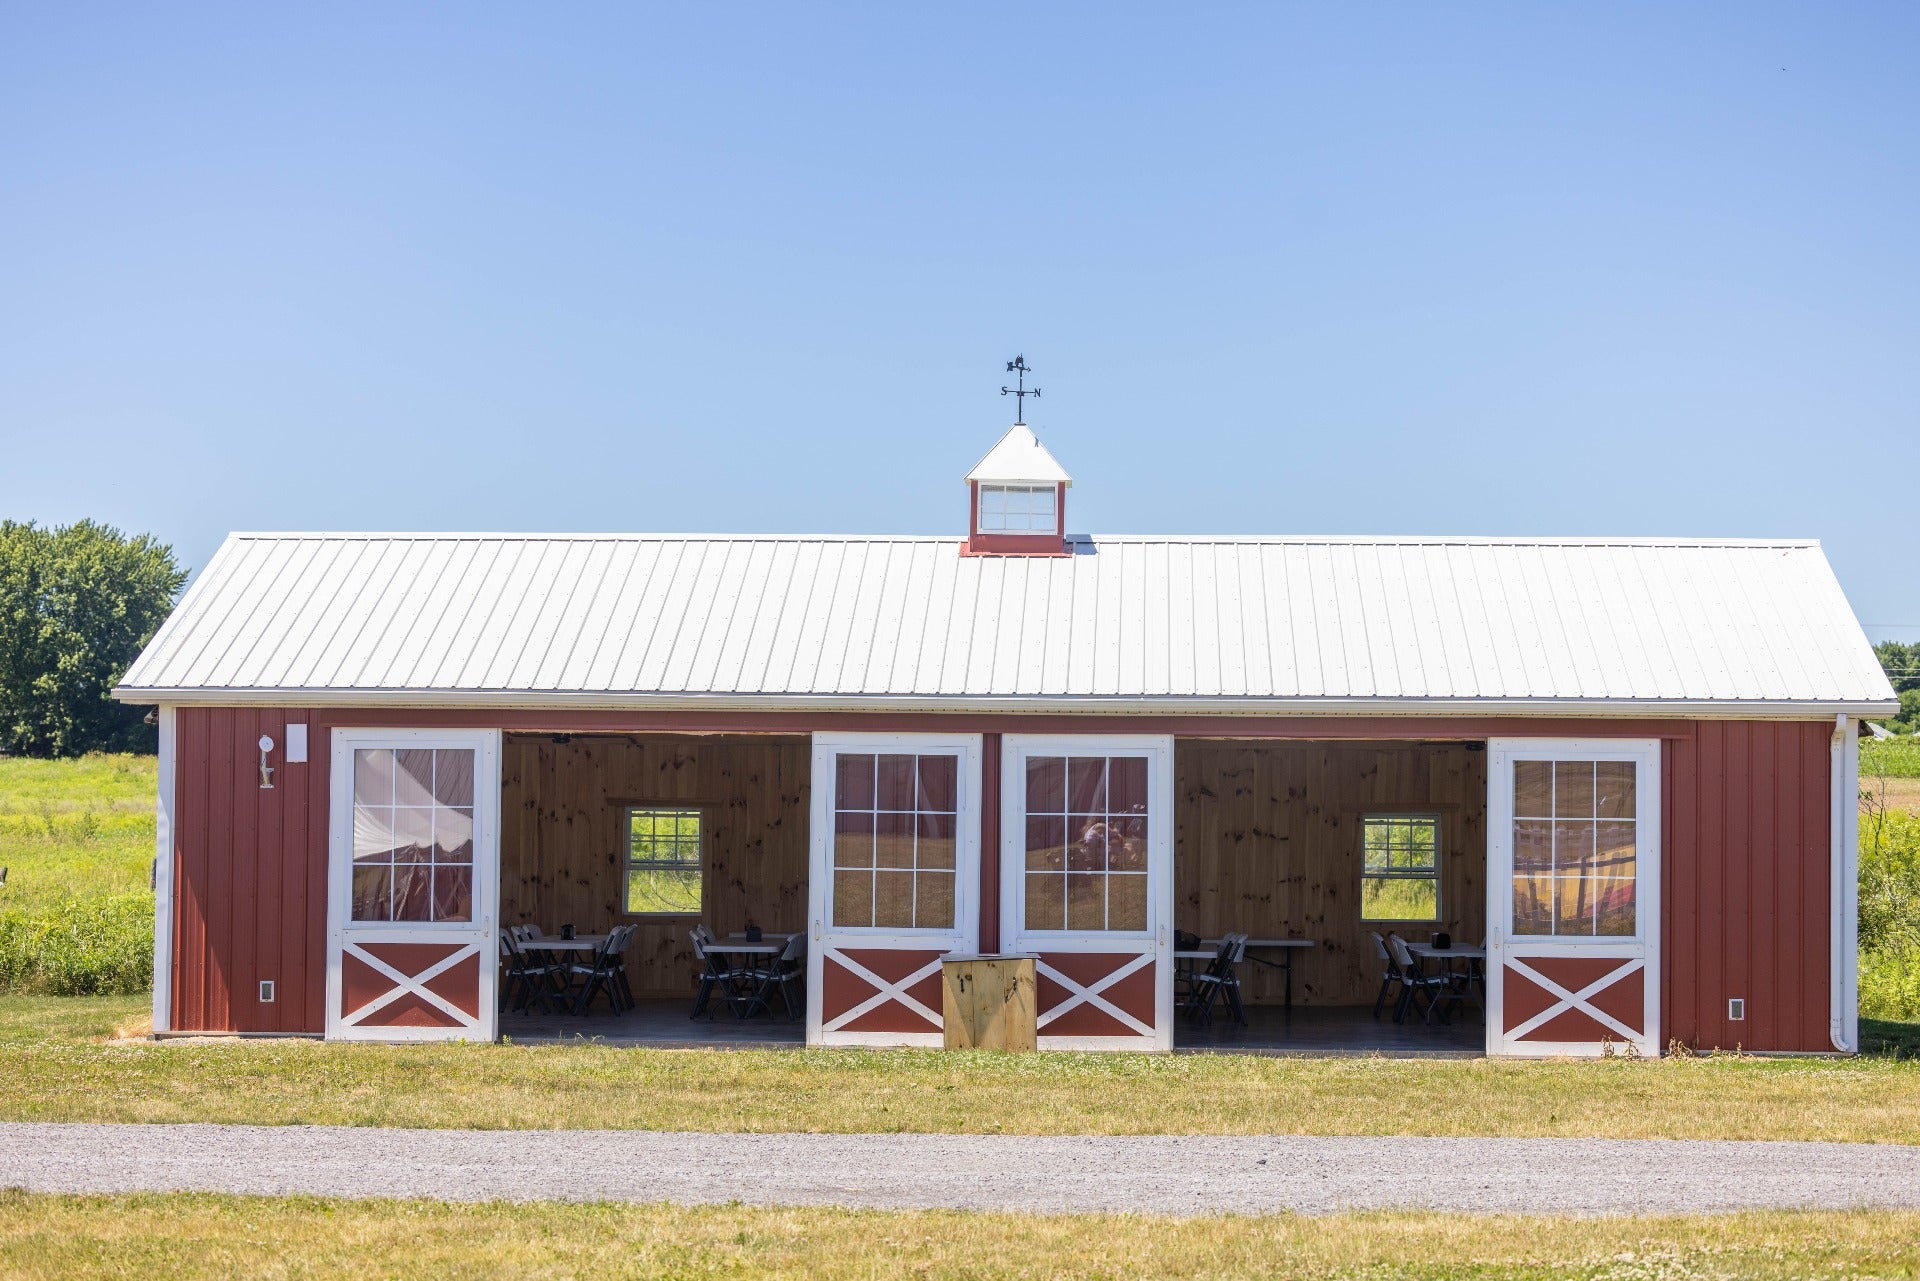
[
  {"x": 190, "y": 879},
  {"x": 1746, "y": 871},
  {"x": 1747, "y": 884},
  {"x": 245, "y": 877}
]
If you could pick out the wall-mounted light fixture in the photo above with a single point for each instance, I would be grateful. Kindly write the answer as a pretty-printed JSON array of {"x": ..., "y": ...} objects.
[{"x": 266, "y": 770}]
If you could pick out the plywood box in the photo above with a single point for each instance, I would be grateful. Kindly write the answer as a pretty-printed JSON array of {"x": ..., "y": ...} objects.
[{"x": 988, "y": 1002}]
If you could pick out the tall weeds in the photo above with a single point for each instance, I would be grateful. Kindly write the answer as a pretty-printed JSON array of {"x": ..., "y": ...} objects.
[
  {"x": 76, "y": 910},
  {"x": 1889, "y": 899}
]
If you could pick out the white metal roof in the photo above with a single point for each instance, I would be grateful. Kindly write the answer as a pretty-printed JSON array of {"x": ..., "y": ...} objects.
[
  {"x": 1222, "y": 624},
  {"x": 1019, "y": 457}
]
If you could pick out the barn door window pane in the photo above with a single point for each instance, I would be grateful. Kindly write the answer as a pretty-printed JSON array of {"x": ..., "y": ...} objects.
[
  {"x": 895, "y": 826},
  {"x": 1087, "y": 823},
  {"x": 663, "y": 862},
  {"x": 1575, "y": 849},
  {"x": 413, "y": 834}
]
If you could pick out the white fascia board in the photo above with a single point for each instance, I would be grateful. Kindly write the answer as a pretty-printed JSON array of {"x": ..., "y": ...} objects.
[{"x": 1084, "y": 706}]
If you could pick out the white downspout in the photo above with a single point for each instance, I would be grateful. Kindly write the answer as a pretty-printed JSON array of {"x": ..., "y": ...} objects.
[
  {"x": 163, "y": 879},
  {"x": 1844, "y": 1003}
]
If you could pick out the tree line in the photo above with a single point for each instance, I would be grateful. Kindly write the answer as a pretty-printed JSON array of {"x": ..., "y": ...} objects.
[
  {"x": 1902, "y": 665},
  {"x": 77, "y": 605}
]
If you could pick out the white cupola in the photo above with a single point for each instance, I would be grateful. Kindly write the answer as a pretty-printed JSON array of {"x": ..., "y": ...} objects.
[{"x": 1017, "y": 499}]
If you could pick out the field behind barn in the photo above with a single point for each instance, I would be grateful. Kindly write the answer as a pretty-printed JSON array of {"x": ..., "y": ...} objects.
[
  {"x": 76, "y": 910},
  {"x": 1890, "y": 880}
]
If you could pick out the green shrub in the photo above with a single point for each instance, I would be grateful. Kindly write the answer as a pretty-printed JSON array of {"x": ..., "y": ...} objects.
[
  {"x": 1889, "y": 880},
  {"x": 91, "y": 945},
  {"x": 76, "y": 838},
  {"x": 1889, "y": 912},
  {"x": 1890, "y": 983}
]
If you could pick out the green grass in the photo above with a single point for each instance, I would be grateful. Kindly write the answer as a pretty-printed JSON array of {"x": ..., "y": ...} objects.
[
  {"x": 1898, "y": 1040},
  {"x": 1892, "y": 758},
  {"x": 48, "y": 1044},
  {"x": 76, "y": 838},
  {"x": 191, "y": 1235}
]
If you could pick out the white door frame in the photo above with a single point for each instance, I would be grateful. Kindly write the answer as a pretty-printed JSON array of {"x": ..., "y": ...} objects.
[
  {"x": 476, "y": 936},
  {"x": 825, "y": 937},
  {"x": 1154, "y": 942},
  {"x": 1504, "y": 950}
]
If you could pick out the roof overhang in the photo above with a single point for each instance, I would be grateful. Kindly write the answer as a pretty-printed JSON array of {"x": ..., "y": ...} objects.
[{"x": 1050, "y": 705}]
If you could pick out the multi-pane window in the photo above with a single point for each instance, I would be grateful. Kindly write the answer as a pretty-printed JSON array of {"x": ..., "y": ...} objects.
[
  {"x": 1018, "y": 509},
  {"x": 1086, "y": 843},
  {"x": 1400, "y": 867},
  {"x": 413, "y": 834},
  {"x": 663, "y": 862},
  {"x": 1575, "y": 848},
  {"x": 895, "y": 824}
]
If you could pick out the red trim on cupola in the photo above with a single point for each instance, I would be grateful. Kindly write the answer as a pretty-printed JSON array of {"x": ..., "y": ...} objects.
[{"x": 1002, "y": 544}]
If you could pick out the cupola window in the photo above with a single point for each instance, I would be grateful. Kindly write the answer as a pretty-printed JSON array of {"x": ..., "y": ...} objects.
[{"x": 1018, "y": 509}]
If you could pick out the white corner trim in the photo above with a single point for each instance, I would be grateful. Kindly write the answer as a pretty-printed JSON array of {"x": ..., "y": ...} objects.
[
  {"x": 163, "y": 877},
  {"x": 1844, "y": 972}
]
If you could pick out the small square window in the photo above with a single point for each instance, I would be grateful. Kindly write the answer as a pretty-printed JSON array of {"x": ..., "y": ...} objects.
[
  {"x": 664, "y": 864},
  {"x": 1021, "y": 509},
  {"x": 1400, "y": 867}
]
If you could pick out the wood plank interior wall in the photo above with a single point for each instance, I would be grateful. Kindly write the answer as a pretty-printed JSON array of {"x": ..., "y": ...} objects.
[
  {"x": 561, "y": 858},
  {"x": 1267, "y": 841}
]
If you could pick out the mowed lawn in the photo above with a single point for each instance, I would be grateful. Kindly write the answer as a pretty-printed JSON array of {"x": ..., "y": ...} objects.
[
  {"x": 58, "y": 1066},
  {"x": 224, "y": 1236}
]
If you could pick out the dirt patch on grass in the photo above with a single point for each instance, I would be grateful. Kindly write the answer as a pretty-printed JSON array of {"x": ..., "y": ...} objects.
[{"x": 1895, "y": 793}]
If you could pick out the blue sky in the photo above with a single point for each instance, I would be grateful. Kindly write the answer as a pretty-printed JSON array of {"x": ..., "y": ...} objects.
[{"x": 1356, "y": 269}]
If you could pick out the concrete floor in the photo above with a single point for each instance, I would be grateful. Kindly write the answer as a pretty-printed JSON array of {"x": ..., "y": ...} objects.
[{"x": 1317, "y": 1030}]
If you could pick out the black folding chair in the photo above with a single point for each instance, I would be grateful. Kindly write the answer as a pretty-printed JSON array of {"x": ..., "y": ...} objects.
[
  {"x": 1390, "y": 976},
  {"x": 600, "y": 973},
  {"x": 718, "y": 977},
  {"x": 620, "y": 966},
  {"x": 533, "y": 975},
  {"x": 1221, "y": 979},
  {"x": 778, "y": 973},
  {"x": 1416, "y": 984}
]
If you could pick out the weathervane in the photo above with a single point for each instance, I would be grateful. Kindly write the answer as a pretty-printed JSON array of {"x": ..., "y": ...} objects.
[{"x": 1020, "y": 391}]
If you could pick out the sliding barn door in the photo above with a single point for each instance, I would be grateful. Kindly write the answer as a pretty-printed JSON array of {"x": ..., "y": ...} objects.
[
  {"x": 1086, "y": 880},
  {"x": 414, "y": 878},
  {"x": 1573, "y": 911},
  {"x": 894, "y": 882}
]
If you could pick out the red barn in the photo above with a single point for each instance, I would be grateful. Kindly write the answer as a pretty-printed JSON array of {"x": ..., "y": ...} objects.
[{"x": 1619, "y": 774}]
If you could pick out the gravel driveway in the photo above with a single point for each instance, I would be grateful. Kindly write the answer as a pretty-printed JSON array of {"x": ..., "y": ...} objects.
[{"x": 1156, "y": 1175}]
